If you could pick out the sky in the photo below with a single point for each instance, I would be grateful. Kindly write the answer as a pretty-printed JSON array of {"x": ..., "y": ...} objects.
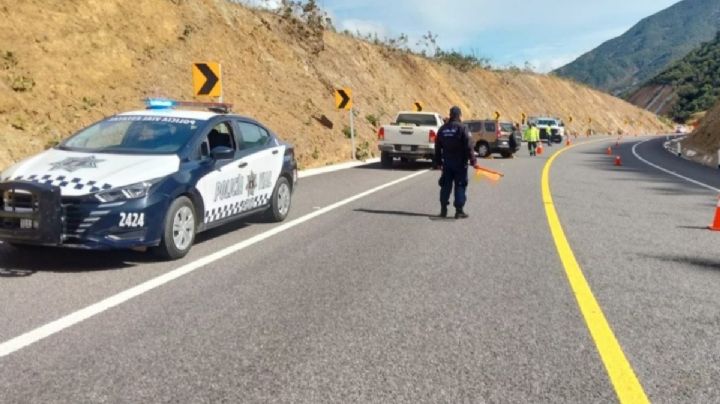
[{"x": 546, "y": 33}]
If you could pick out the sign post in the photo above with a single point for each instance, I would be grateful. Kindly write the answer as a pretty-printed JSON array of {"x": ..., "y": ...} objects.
[{"x": 343, "y": 100}]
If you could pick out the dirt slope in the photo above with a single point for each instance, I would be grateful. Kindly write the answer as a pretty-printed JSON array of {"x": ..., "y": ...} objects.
[
  {"x": 703, "y": 144},
  {"x": 66, "y": 64},
  {"x": 659, "y": 99}
]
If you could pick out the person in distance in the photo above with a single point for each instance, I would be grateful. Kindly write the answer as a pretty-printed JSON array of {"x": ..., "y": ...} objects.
[{"x": 532, "y": 137}]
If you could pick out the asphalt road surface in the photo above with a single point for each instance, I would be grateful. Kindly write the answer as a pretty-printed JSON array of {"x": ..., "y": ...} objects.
[{"x": 376, "y": 301}]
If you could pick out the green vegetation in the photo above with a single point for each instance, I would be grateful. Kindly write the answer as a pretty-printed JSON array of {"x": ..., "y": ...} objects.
[
  {"x": 648, "y": 48},
  {"x": 306, "y": 21},
  {"x": 373, "y": 120},
  {"x": 362, "y": 151},
  {"x": 7, "y": 60},
  {"x": 696, "y": 79},
  {"x": 21, "y": 83}
]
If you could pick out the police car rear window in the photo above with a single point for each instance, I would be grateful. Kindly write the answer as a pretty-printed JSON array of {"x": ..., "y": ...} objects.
[
  {"x": 416, "y": 120},
  {"x": 136, "y": 134}
]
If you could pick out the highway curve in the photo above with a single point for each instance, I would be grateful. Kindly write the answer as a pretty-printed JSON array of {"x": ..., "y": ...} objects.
[{"x": 374, "y": 300}]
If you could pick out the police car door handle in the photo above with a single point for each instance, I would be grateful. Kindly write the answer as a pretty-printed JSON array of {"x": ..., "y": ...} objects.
[
  {"x": 243, "y": 165},
  {"x": 276, "y": 151}
]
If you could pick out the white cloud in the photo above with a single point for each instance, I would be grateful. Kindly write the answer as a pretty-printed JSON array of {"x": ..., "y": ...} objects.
[
  {"x": 269, "y": 4},
  {"x": 363, "y": 27},
  {"x": 505, "y": 31}
]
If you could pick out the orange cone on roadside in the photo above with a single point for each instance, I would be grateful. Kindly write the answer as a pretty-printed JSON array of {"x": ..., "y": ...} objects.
[
  {"x": 715, "y": 226},
  {"x": 568, "y": 142},
  {"x": 618, "y": 161},
  {"x": 539, "y": 150},
  {"x": 609, "y": 151}
]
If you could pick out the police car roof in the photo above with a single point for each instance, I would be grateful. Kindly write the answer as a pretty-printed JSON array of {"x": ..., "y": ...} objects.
[
  {"x": 175, "y": 113},
  {"x": 184, "y": 114}
]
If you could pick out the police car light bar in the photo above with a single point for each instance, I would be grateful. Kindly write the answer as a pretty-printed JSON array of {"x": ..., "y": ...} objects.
[{"x": 161, "y": 103}]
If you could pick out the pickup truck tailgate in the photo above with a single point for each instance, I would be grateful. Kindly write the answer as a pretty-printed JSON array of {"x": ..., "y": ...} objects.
[{"x": 407, "y": 135}]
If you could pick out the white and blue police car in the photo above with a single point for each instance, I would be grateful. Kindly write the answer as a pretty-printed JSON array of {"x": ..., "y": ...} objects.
[{"x": 148, "y": 179}]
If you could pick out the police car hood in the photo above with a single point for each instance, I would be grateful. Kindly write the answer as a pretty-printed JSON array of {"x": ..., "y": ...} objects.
[{"x": 86, "y": 173}]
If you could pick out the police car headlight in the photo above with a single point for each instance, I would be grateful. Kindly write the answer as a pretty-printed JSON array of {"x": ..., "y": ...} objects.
[{"x": 134, "y": 191}]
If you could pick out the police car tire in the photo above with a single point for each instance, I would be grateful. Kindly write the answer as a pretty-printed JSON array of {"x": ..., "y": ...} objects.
[
  {"x": 274, "y": 213},
  {"x": 167, "y": 248}
]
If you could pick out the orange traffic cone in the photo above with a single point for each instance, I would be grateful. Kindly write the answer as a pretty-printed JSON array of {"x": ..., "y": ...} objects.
[
  {"x": 618, "y": 161},
  {"x": 715, "y": 226},
  {"x": 539, "y": 150},
  {"x": 609, "y": 151},
  {"x": 568, "y": 142}
]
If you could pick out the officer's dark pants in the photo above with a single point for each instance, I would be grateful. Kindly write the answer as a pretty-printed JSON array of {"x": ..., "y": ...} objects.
[
  {"x": 454, "y": 174},
  {"x": 532, "y": 147}
]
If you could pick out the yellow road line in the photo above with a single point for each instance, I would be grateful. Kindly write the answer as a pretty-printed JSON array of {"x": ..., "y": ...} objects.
[{"x": 623, "y": 378}]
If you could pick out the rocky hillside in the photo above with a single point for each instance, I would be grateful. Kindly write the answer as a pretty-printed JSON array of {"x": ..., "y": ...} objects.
[
  {"x": 704, "y": 143},
  {"x": 621, "y": 64},
  {"x": 688, "y": 86},
  {"x": 66, "y": 64}
]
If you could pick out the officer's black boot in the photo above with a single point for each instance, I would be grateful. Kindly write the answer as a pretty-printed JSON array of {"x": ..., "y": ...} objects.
[
  {"x": 460, "y": 214},
  {"x": 443, "y": 211}
]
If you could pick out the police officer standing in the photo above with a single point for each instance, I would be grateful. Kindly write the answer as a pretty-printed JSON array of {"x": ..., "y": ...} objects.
[
  {"x": 532, "y": 137},
  {"x": 452, "y": 152}
]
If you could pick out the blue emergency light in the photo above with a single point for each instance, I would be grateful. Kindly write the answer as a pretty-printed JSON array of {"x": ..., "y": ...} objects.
[
  {"x": 164, "y": 103},
  {"x": 159, "y": 103}
]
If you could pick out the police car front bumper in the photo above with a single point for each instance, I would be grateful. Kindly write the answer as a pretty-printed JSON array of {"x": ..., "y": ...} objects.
[{"x": 36, "y": 214}]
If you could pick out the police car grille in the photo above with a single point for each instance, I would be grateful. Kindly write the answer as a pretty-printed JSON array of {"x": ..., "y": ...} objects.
[
  {"x": 19, "y": 201},
  {"x": 554, "y": 131},
  {"x": 73, "y": 218}
]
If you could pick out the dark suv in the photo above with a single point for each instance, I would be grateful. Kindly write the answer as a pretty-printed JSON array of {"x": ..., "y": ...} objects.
[{"x": 490, "y": 136}]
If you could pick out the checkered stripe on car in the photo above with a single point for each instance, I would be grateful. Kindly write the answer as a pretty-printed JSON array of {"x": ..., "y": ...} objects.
[
  {"x": 233, "y": 209},
  {"x": 63, "y": 181}
]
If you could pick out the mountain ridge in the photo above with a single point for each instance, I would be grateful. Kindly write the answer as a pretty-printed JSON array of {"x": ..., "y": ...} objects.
[
  {"x": 622, "y": 63},
  {"x": 689, "y": 86}
]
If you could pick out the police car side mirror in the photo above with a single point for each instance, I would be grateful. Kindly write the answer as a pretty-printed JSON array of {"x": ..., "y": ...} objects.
[{"x": 222, "y": 153}]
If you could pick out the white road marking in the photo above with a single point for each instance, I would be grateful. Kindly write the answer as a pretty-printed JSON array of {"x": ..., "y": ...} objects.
[
  {"x": 690, "y": 180},
  {"x": 336, "y": 167},
  {"x": 44, "y": 331}
]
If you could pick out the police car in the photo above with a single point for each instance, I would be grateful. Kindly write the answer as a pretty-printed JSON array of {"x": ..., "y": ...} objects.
[{"x": 150, "y": 178}]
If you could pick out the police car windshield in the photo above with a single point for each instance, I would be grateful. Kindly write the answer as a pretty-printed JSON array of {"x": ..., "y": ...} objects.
[
  {"x": 134, "y": 134},
  {"x": 547, "y": 123}
]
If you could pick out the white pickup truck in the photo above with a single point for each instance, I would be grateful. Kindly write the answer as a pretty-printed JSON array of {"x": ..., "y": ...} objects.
[
  {"x": 411, "y": 137},
  {"x": 551, "y": 129}
]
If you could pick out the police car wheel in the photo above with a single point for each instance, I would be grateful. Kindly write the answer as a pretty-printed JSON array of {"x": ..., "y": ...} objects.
[
  {"x": 179, "y": 231},
  {"x": 280, "y": 202}
]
